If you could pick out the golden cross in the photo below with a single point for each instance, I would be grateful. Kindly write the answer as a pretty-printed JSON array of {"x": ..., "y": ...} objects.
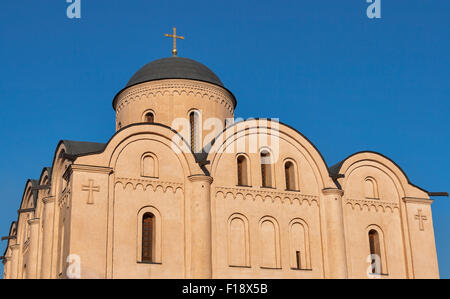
[{"x": 174, "y": 36}]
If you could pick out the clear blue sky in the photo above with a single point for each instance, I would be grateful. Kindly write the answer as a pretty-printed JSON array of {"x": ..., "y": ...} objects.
[{"x": 347, "y": 82}]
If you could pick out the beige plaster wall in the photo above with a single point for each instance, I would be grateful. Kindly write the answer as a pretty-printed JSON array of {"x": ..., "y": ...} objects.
[{"x": 172, "y": 99}]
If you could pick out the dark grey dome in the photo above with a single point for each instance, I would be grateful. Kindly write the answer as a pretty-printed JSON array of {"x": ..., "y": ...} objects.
[{"x": 174, "y": 68}]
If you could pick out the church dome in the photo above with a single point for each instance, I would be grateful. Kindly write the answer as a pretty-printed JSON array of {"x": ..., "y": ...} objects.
[{"x": 174, "y": 68}]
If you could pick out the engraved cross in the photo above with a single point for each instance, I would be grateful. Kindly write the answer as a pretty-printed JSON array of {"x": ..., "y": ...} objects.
[
  {"x": 91, "y": 189},
  {"x": 421, "y": 219}
]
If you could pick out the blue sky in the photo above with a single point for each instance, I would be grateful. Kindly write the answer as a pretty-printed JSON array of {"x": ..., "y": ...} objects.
[{"x": 349, "y": 83}]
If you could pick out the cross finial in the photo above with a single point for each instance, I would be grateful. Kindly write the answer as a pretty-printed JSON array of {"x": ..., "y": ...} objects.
[{"x": 174, "y": 36}]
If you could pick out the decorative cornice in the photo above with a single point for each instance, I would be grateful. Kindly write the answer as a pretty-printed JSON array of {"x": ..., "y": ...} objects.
[
  {"x": 49, "y": 199},
  {"x": 152, "y": 89},
  {"x": 148, "y": 183},
  {"x": 33, "y": 221},
  {"x": 425, "y": 201},
  {"x": 91, "y": 168},
  {"x": 283, "y": 197},
  {"x": 201, "y": 178},
  {"x": 333, "y": 191},
  {"x": 371, "y": 205}
]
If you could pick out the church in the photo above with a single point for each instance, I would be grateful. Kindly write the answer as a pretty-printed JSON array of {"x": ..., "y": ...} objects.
[{"x": 182, "y": 190}]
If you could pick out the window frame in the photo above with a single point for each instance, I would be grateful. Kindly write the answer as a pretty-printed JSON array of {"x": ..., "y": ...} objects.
[
  {"x": 270, "y": 167},
  {"x": 157, "y": 235}
]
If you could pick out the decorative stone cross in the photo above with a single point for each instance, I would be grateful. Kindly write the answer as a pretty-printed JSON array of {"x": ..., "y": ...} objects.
[
  {"x": 421, "y": 219},
  {"x": 91, "y": 189}
]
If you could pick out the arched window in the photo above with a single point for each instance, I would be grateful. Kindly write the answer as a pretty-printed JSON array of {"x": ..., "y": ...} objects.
[
  {"x": 266, "y": 169},
  {"x": 194, "y": 120},
  {"x": 148, "y": 235},
  {"x": 371, "y": 188},
  {"x": 375, "y": 251},
  {"x": 289, "y": 173},
  {"x": 149, "y": 165},
  {"x": 149, "y": 117},
  {"x": 242, "y": 171}
]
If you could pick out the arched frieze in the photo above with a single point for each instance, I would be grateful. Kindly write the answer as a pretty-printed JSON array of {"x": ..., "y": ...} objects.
[
  {"x": 375, "y": 206},
  {"x": 229, "y": 193},
  {"x": 148, "y": 184},
  {"x": 171, "y": 87}
]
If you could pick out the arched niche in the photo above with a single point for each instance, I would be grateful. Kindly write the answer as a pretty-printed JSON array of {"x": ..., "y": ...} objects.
[
  {"x": 238, "y": 241},
  {"x": 269, "y": 243},
  {"x": 149, "y": 165},
  {"x": 299, "y": 245}
]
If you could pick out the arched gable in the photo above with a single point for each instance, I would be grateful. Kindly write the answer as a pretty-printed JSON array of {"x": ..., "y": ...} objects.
[
  {"x": 381, "y": 164},
  {"x": 29, "y": 196},
  {"x": 156, "y": 132},
  {"x": 228, "y": 142},
  {"x": 12, "y": 236},
  {"x": 27, "y": 208},
  {"x": 61, "y": 159},
  {"x": 44, "y": 180}
]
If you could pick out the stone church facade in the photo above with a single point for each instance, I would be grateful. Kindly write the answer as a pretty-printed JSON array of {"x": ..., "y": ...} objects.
[{"x": 182, "y": 191}]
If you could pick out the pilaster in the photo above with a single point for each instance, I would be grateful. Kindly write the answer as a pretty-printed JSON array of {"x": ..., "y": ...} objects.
[
  {"x": 335, "y": 234},
  {"x": 200, "y": 227}
]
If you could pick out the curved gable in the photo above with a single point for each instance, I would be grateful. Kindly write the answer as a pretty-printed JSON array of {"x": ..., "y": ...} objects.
[
  {"x": 160, "y": 134},
  {"x": 377, "y": 168},
  {"x": 239, "y": 138}
]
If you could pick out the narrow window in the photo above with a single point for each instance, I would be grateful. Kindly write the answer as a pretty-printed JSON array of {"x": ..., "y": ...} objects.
[
  {"x": 193, "y": 121},
  {"x": 375, "y": 252},
  {"x": 242, "y": 171},
  {"x": 266, "y": 169},
  {"x": 289, "y": 173},
  {"x": 297, "y": 258},
  {"x": 149, "y": 118},
  {"x": 148, "y": 223}
]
